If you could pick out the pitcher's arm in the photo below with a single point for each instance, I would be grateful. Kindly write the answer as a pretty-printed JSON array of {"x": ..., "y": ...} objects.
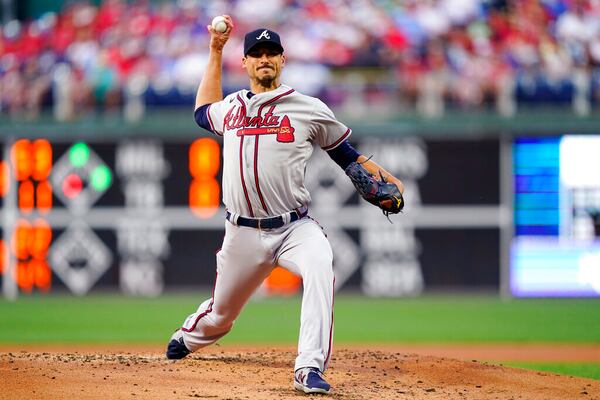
[{"x": 210, "y": 89}]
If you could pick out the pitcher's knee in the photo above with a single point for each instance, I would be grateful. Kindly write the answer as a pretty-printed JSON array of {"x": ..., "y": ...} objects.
[
  {"x": 223, "y": 320},
  {"x": 318, "y": 269},
  {"x": 320, "y": 260}
]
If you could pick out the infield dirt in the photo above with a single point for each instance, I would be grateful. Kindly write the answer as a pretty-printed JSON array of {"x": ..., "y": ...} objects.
[{"x": 226, "y": 372}]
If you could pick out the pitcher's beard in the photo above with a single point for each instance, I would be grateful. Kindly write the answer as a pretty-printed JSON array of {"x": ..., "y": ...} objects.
[{"x": 266, "y": 81}]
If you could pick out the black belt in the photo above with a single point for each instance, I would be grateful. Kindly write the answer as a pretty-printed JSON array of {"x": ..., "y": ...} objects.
[{"x": 266, "y": 223}]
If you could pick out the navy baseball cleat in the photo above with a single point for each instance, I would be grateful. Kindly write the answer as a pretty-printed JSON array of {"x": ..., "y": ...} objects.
[
  {"x": 176, "y": 349},
  {"x": 310, "y": 380}
]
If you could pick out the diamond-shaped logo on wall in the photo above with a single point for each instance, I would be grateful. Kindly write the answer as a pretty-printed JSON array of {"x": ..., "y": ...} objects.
[
  {"x": 79, "y": 178},
  {"x": 79, "y": 258}
]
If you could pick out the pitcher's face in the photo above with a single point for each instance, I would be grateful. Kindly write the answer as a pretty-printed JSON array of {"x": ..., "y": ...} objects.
[{"x": 264, "y": 64}]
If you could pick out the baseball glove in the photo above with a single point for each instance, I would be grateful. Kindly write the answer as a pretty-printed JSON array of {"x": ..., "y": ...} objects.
[{"x": 380, "y": 193}]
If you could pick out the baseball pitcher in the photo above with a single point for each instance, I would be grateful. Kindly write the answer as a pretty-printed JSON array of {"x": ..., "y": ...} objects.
[{"x": 269, "y": 133}]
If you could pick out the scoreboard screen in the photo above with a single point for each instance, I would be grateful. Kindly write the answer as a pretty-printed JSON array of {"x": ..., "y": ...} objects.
[
  {"x": 144, "y": 215},
  {"x": 556, "y": 249}
]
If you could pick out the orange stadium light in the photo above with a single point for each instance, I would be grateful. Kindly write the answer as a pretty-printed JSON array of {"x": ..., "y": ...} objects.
[
  {"x": 282, "y": 282},
  {"x": 21, "y": 241},
  {"x": 41, "y": 239},
  {"x": 43, "y": 197},
  {"x": 205, "y": 158},
  {"x": 42, "y": 159},
  {"x": 30, "y": 244},
  {"x": 42, "y": 274},
  {"x": 204, "y": 164},
  {"x": 204, "y": 197},
  {"x": 21, "y": 159},
  {"x": 25, "y": 276},
  {"x": 26, "y": 196},
  {"x": 4, "y": 178}
]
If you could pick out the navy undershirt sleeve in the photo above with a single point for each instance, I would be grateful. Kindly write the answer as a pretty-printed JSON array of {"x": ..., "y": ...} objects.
[
  {"x": 343, "y": 154},
  {"x": 201, "y": 117}
]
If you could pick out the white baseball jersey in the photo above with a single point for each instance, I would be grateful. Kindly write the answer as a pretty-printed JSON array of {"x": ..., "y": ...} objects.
[{"x": 267, "y": 140}]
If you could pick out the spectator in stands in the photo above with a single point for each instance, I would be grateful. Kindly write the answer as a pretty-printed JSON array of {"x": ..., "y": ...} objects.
[{"x": 428, "y": 54}]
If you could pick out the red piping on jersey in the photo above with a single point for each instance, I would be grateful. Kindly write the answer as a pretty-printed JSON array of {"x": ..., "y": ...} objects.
[
  {"x": 331, "y": 146},
  {"x": 243, "y": 105},
  {"x": 331, "y": 326},
  {"x": 266, "y": 103},
  {"x": 208, "y": 310},
  {"x": 260, "y": 196},
  {"x": 212, "y": 126},
  {"x": 242, "y": 176}
]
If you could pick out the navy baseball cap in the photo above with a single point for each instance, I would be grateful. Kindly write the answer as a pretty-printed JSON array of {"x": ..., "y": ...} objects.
[{"x": 259, "y": 36}]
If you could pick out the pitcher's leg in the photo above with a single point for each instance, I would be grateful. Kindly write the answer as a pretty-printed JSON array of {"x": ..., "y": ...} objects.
[
  {"x": 306, "y": 251},
  {"x": 241, "y": 267}
]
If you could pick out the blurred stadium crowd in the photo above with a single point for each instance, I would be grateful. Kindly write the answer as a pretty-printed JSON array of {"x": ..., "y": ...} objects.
[{"x": 377, "y": 55}]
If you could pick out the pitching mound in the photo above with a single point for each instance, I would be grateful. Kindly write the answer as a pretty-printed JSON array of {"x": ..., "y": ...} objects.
[{"x": 230, "y": 373}]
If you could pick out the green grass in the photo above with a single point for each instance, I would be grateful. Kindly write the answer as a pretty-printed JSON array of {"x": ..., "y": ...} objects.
[
  {"x": 428, "y": 319},
  {"x": 458, "y": 319},
  {"x": 591, "y": 370}
]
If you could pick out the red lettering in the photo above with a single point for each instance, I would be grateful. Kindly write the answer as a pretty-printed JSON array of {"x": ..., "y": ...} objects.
[
  {"x": 228, "y": 117},
  {"x": 268, "y": 124},
  {"x": 238, "y": 119}
]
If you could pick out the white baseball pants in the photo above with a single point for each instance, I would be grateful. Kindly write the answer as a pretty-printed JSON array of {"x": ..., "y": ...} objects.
[{"x": 247, "y": 257}]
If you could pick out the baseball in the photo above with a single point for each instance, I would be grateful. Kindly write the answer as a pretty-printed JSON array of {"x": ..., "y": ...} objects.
[{"x": 218, "y": 24}]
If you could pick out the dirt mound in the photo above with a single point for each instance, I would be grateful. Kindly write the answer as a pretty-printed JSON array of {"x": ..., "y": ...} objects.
[{"x": 266, "y": 373}]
